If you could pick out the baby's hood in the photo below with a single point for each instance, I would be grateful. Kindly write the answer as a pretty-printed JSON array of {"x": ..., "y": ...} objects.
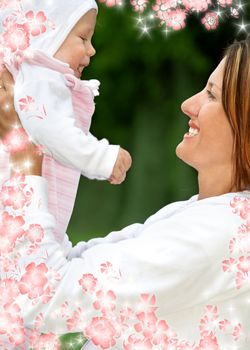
[{"x": 38, "y": 24}]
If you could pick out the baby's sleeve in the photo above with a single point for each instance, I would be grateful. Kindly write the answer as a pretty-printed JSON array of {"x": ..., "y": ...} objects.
[{"x": 46, "y": 113}]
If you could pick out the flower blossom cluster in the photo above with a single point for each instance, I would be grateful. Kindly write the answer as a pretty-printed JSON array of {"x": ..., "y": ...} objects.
[
  {"x": 238, "y": 262},
  {"x": 173, "y": 13},
  {"x": 18, "y": 29}
]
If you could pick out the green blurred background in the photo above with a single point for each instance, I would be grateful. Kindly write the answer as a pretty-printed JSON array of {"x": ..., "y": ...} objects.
[{"x": 144, "y": 80}]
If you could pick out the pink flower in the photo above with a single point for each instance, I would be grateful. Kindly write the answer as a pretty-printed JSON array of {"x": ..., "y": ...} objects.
[
  {"x": 134, "y": 343},
  {"x": 147, "y": 325},
  {"x": 4, "y": 3},
  {"x": 11, "y": 324},
  {"x": 105, "y": 301},
  {"x": 10, "y": 230},
  {"x": 139, "y": 5},
  {"x": 88, "y": 283},
  {"x": 208, "y": 343},
  {"x": 229, "y": 265},
  {"x": 244, "y": 264},
  {"x": 27, "y": 104},
  {"x": 224, "y": 324},
  {"x": 196, "y": 5},
  {"x": 111, "y": 3},
  {"x": 225, "y": 3},
  {"x": 46, "y": 341},
  {"x": 101, "y": 332},
  {"x": 162, "y": 8},
  {"x": 237, "y": 331},
  {"x": 175, "y": 19},
  {"x": 17, "y": 37},
  {"x": 76, "y": 320},
  {"x": 36, "y": 22},
  {"x": 34, "y": 280},
  {"x": 210, "y": 20},
  {"x": 241, "y": 207},
  {"x": 14, "y": 198},
  {"x": 35, "y": 233},
  {"x": 8, "y": 291},
  {"x": 16, "y": 140}
]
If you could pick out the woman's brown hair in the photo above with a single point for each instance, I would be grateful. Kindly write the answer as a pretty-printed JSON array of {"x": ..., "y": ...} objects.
[{"x": 236, "y": 103}]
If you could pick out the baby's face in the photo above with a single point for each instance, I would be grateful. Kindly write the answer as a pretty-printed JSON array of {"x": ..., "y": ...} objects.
[{"x": 77, "y": 49}]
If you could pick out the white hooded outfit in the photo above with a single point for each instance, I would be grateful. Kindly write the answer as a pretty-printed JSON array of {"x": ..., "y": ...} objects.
[{"x": 55, "y": 107}]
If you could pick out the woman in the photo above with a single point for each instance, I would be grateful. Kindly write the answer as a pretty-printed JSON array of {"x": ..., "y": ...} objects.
[{"x": 178, "y": 281}]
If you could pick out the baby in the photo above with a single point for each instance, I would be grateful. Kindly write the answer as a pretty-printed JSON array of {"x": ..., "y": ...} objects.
[{"x": 46, "y": 46}]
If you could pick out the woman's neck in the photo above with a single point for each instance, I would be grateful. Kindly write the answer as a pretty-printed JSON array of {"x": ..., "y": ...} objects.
[{"x": 215, "y": 182}]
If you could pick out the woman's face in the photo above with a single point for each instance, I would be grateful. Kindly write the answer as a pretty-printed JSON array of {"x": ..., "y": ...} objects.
[{"x": 208, "y": 144}]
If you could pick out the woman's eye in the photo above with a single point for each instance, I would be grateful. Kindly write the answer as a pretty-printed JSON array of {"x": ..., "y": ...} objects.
[{"x": 210, "y": 95}]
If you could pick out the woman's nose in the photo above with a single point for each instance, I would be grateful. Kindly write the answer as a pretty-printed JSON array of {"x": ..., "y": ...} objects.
[{"x": 190, "y": 107}]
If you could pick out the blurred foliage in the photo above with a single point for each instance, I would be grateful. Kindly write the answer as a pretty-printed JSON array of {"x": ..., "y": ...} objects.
[{"x": 144, "y": 80}]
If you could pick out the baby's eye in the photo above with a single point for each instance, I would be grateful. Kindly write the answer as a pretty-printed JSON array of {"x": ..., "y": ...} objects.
[
  {"x": 84, "y": 39},
  {"x": 210, "y": 95}
]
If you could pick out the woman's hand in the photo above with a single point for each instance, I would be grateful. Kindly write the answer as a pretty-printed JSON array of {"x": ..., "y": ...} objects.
[{"x": 25, "y": 159}]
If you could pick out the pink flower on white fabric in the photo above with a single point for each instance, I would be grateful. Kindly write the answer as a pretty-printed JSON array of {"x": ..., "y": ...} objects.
[
  {"x": 111, "y": 3},
  {"x": 209, "y": 343},
  {"x": 175, "y": 19},
  {"x": 11, "y": 324},
  {"x": 241, "y": 279},
  {"x": 48, "y": 341},
  {"x": 105, "y": 301},
  {"x": 244, "y": 264},
  {"x": 27, "y": 104},
  {"x": 17, "y": 37},
  {"x": 224, "y": 324},
  {"x": 160, "y": 336},
  {"x": 35, "y": 233},
  {"x": 241, "y": 207},
  {"x": 108, "y": 269},
  {"x": 225, "y": 3},
  {"x": 146, "y": 304},
  {"x": 139, "y": 5},
  {"x": 76, "y": 320},
  {"x": 209, "y": 322},
  {"x": 88, "y": 283},
  {"x": 210, "y": 20},
  {"x": 134, "y": 343},
  {"x": 8, "y": 291},
  {"x": 229, "y": 265},
  {"x": 4, "y": 3},
  {"x": 16, "y": 140},
  {"x": 14, "y": 198},
  {"x": 36, "y": 22},
  {"x": 17, "y": 181},
  {"x": 196, "y": 5},
  {"x": 11, "y": 228},
  {"x": 34, "y": 280},
  {"x": 102, "y": 332},
  {"x": 147, "y": 325},
  {"x": 237, "y": 331}
]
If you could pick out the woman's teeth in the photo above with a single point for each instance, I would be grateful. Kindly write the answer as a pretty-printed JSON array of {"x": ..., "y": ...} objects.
[{"x": 193, "y": 132}]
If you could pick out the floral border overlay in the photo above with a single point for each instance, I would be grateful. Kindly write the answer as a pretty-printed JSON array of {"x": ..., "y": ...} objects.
[
  {"x": 172, "y": 14},
  {"x": 37, "y": 282}
]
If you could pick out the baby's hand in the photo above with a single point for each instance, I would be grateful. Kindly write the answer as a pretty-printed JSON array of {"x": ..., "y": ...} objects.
[{"x": 122, "y": 164}]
